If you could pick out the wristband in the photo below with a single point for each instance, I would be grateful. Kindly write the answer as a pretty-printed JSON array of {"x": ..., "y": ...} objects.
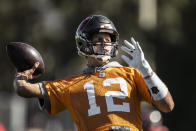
[
  {"x": 157, "y": 88},
  {"x": 22, "y": 77}
]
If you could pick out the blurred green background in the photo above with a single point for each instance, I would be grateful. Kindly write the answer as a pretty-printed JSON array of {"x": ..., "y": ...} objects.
[{"x": 166, "y": 30}]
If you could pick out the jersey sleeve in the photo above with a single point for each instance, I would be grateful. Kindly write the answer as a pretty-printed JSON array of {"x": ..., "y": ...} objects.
[
  {"x": 142, "y": 89},
  {"x": 56, "y": 95}
]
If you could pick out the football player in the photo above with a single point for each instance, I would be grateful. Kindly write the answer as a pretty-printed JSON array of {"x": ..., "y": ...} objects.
[{"x": 107, "y": 95}]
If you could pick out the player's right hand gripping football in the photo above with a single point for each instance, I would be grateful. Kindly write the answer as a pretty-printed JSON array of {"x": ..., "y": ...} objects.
[
  {"x": 136, "y": 59},
  {"x": 28, "y": 74}
]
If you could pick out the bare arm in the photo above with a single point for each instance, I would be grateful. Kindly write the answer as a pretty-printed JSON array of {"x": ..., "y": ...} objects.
[
  {"x": 161, "y": 97},
  {"x": 166, "y": 104},
  {"x": 24, "y": 88}
]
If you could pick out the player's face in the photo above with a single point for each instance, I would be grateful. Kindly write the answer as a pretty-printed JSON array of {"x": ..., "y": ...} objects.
[{"x": 103, "y": 43}]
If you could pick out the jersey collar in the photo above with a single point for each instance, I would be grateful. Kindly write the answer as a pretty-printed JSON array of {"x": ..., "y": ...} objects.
[{"x": 93, "y": 69}]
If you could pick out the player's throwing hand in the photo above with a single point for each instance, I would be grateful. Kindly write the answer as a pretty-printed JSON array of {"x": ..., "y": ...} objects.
[{"x": 28, "y": 74}]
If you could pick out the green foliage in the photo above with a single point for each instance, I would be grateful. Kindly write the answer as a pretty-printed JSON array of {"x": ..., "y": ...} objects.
[{"x": 50, "y": 25}]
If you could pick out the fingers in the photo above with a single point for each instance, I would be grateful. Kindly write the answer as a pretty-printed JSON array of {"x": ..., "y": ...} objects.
[
  {"x": 127, "y": 50},
  {"x": 139, "y": 48},
  {"x": 129, "y": 45},
  {"x": 136, "y": 44},
  {"x": 36, "y": 64},
  {"x": 33, "y": 77},
  {"x": 28, "y": 73},
  {"x": 133, "y": 42},
  {"x": 31, "y": 71}
]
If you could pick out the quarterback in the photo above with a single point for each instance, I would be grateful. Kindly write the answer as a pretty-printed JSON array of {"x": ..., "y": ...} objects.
[{"x": 106, "y": 95}]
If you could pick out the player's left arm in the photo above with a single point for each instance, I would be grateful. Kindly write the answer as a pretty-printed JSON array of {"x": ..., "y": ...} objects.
[
  {"x": 166, "y": 104},
  {"x": 161, "y": 96}
]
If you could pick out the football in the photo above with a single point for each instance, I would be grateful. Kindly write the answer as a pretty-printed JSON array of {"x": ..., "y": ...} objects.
[{"x": 23, "y": 56}]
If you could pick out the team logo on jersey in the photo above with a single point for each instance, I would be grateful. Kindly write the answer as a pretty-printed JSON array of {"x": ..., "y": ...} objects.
[{"x": 101, "y": 74}]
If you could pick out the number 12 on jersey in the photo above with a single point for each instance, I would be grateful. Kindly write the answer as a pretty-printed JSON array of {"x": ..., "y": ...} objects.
[{"x": 94, "y": 109}]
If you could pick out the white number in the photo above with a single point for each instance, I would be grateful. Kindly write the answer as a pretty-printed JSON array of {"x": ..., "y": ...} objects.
[
  {"x": 119, "y": 94},
  {"x": 94, "y": 109}
]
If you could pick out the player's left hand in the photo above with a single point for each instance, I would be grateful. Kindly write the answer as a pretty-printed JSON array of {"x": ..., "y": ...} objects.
[{"x": 136, "y": 59}]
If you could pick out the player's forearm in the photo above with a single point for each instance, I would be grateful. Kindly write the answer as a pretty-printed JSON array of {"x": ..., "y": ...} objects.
[
  {"x": 26, "y": 89},
  {"x": 166, "y": 104},
  {"x": 161, "y": 96}
]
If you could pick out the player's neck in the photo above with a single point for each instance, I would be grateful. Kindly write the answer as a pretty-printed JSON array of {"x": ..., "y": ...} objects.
[{"x": 95, "y": 62}]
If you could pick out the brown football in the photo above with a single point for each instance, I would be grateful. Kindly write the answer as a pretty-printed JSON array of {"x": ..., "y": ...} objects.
[{"x": 23, "y": 56}]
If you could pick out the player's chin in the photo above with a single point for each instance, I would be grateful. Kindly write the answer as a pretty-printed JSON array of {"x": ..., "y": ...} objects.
[{"x": 104, "y": 59}]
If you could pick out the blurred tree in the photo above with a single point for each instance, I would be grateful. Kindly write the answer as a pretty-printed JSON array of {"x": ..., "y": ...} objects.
[{"x": 50, "y": 25}]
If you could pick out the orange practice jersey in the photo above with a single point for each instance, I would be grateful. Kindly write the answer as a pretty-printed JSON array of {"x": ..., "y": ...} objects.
[{"x": 98, "y": 100}]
